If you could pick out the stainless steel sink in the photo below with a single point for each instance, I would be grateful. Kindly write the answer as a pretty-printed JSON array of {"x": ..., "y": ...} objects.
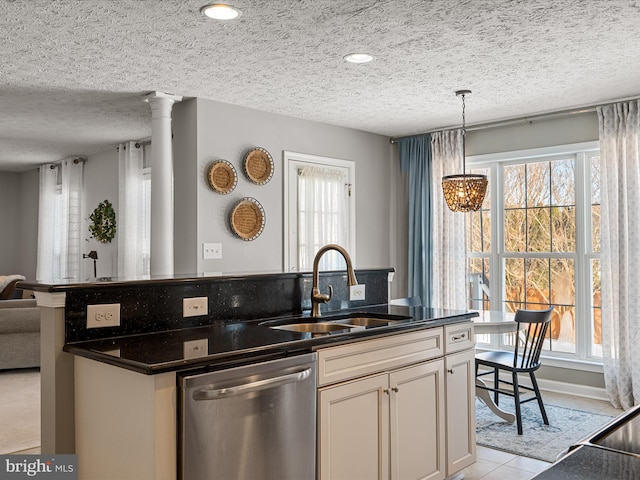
[
  {"x": 367, "y": 320},
  {"x": 335, "y": 324},
  {"x": 316, "y": 327},
  {"x": 364, "y": 321}
]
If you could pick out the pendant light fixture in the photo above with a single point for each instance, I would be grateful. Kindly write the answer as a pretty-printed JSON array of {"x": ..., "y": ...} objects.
[{"x": 464, "y": 193}]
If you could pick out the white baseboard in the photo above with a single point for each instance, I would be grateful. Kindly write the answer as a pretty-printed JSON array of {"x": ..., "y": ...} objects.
[
  {"x": 586, "y": 391},
  {"x": 572, "y": 389}
]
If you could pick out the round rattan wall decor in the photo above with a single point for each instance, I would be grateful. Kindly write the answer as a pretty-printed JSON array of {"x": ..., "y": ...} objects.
[
  {"x": 222, "y": 177},
  {"x": 247, "y": 219},
  {"x": 258, "y": 166}
]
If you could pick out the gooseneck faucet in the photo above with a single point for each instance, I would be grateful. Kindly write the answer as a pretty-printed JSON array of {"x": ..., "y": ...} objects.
[{"x": 316, "y": 297}]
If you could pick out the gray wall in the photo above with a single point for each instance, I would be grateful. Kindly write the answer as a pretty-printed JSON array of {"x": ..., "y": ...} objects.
[
  {"x": 19, "y": 220},
  {"x": 228, "y": 132},
  {"x": 29, "y": 197},
  {"x": 535, "y": 134},
  {"x": 185, "y": 179},
  {"x": 10, "y": 222},
  {"x": 100, "y": 183}
]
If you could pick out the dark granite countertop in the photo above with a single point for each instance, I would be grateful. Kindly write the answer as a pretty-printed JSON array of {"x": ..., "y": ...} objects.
[
  {"x": 612, "y": 452},
  {"x": 592, "y": 463},
  {"x": 159, "y": 352}
]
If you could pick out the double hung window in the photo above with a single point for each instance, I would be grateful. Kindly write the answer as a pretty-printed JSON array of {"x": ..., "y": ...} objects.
[
  {"x": 535, "y": 243},
  {"x": 319, "y": 208}
]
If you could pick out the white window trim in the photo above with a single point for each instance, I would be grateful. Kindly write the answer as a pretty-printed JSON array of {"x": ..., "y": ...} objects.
[
  {"x": 290, "y": 206},
  {"x": 579, "y": 150}
]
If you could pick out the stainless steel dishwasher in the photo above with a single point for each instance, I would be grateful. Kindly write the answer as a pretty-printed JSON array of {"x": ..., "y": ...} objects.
[{"x": 253, "y": 422}]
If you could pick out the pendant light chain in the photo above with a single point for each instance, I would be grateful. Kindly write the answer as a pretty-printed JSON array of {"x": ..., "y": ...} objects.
[
  {"x": 464, "y": 152},
  {"x": 464, "y": 137}
]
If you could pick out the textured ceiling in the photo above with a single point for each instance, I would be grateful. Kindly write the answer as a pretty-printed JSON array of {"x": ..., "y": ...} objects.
[{"x": 73, "y": 71}]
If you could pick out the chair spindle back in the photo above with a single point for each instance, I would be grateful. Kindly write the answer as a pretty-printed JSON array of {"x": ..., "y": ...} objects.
[{"x": 531, "y": 337}]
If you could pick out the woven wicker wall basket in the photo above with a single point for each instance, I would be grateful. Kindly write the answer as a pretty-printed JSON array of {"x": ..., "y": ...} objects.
[
  {"x": 247, "y": 219},
  {"x": 222, "y": 177},
  {"x": 258, "y": 166}
]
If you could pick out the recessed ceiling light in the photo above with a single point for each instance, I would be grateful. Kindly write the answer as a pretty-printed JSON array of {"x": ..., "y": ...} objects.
[
  {"x": 220, "y": 11},
  {"x": 358, "y": 58}
]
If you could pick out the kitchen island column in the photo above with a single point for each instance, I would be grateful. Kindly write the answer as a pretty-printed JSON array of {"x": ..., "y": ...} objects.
[{"x": 161, "y": 182}]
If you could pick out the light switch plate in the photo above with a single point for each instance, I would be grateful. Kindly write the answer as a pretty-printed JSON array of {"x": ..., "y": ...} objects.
[
  {"x": 211, "y": 251},
  {"x": 195, "y": 306},
  {"x": 356, "y": 292}
]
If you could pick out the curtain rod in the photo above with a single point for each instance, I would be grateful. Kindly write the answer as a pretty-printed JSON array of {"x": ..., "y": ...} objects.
[
  {"x": 527, "y": 119},
  {"x": 76, "y": 161},
  {"x": 55, "y": 164}
]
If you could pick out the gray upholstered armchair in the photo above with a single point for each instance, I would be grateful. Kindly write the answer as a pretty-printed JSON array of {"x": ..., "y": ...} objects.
[{"x": 19, "y": 334}]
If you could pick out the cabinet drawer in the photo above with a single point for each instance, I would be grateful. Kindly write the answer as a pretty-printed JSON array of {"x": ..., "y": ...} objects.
[
  {"x": 344, "y": 362},
  {"x": 458, "y": 337}
]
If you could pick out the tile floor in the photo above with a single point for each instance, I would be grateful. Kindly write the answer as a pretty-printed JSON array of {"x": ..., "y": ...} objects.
[{"x": 497, "y": 465}]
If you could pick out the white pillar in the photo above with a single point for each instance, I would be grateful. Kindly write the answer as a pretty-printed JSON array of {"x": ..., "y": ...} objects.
[{"x": 161, "y": 182}]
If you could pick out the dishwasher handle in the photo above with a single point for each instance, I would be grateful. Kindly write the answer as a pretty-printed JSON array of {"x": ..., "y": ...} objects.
[{"x": 210, "y": 393}]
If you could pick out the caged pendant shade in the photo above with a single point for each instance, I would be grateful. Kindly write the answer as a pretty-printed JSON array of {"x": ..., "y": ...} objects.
[{"x": 464, "y": 192}]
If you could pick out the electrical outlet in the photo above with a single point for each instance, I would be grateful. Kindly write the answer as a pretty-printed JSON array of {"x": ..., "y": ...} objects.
[
  {"x": 105, "y": 315},
  {"x": 211, "y": 251},
  {"x": 356, "y": 292},
  {"x": 194, "y": 307},
  {"x": 196, "y": 348}
]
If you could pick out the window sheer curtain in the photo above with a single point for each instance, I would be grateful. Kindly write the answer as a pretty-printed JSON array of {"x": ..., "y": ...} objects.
[
  {"x": 132, "y": 241},
  {"x": 447, "y": 228},
  {"x": 415, "y": 161},
  {"x": 619, "y": 126},
  {"x": 323, "y": 212},
  {"x": 59, "y": 221}
]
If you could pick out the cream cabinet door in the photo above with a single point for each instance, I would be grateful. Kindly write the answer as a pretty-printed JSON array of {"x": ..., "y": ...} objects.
[
  {"x": 353, "y": 430},
  {"x": 461, "y": 411},
  {"x": 418, "y": 422}
]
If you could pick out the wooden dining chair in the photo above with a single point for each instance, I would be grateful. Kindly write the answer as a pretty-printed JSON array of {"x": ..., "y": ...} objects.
[{"x": 533, "y": 326}]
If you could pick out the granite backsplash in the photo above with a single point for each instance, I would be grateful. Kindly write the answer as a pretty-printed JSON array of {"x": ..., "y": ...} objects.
[{"x": 151, "y": 306}]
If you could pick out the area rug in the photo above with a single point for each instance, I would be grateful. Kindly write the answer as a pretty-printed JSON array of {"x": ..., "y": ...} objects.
[
  {"x": 544, "y": 442},
  {"x": 19, "y": 410}
]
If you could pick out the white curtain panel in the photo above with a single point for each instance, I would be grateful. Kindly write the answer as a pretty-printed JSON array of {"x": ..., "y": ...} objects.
[
  {"x": 620, "y": 243},
  {"x": 131, "y": 208},
  {"x": 46, "y": 222},
  {"x": 448, "y": 264},
  {"x": 323, "y": 212},
  {"x": 59, "y": 221},
  {"x": 71, "y": 195}
]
